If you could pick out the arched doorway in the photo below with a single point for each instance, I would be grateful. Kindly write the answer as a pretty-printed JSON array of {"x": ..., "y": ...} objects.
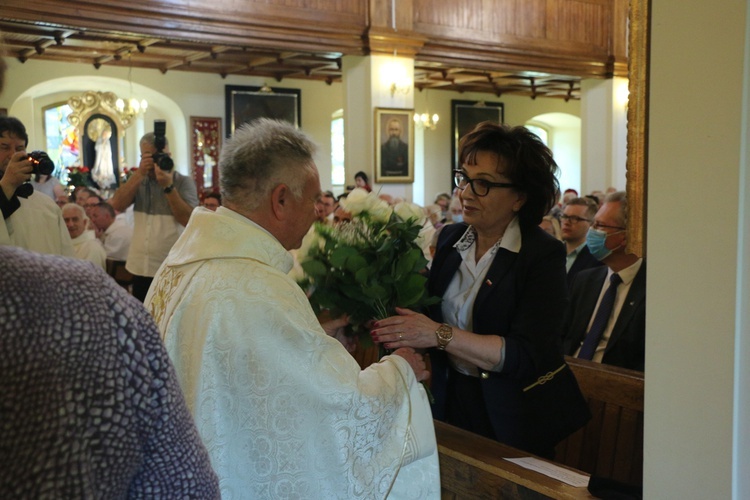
[{"x": 564, "y": 139}]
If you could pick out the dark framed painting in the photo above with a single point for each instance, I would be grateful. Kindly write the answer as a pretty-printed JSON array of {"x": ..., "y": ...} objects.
[
  {"x": 245, "y": 104},
  {"x": 465, "y": 115},
  {"x": 394, "y": 150}
]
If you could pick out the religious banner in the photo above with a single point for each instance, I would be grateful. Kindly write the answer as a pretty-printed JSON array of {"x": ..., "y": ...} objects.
[{"x": 205, "y": 143}]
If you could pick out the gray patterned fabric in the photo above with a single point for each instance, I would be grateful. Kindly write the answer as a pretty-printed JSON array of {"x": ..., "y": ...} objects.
[{"x": 89, "y": 403}]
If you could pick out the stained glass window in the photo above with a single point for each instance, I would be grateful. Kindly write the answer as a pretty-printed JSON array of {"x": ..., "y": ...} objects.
[{"x": 63, "y": 145}]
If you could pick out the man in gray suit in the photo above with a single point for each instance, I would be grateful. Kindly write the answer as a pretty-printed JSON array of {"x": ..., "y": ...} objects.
[{"x": 618, "y": 334}]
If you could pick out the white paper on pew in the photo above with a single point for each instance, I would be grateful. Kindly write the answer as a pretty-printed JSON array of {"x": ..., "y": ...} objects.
[{"x": 551, "y": 470}]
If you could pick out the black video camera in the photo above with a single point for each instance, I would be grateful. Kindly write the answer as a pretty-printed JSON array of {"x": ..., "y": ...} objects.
[
  {"x": 161, "y": 159},
  {"x": 42, "y": 163}
]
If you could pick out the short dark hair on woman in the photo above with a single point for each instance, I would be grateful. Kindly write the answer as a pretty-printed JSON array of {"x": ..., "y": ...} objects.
[{"x": 527, "y": 161}]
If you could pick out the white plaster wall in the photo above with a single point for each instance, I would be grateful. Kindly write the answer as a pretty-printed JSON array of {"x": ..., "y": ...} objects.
[
  {"x": 437, "y": 143},
  {"x": 696, "y": 146},
  {"x": 181, "y": 95},
  {"x": 604, "y": 134},
  {"x": 176, "y": 96},
  {"x": 619, "y": 136},
  {"x": 567, "y": 150},
  {"x": 564, "y": 139}
]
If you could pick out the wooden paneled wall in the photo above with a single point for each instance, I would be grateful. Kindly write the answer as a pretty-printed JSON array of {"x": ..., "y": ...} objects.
[
  {"x": 560, "y": 36},
  {"x": 574, "y": 37}
]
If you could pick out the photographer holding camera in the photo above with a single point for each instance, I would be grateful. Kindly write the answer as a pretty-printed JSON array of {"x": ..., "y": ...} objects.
[
  {"x": 31, "y": 220},
  {"x": 164, "y": 200}
]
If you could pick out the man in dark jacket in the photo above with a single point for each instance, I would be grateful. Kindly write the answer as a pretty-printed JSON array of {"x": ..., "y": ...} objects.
[
  {"x": 606, "y": 318},
  {"x": 578, "y": 214}
]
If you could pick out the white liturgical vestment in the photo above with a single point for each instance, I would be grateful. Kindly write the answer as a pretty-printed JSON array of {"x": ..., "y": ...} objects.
[
  {"x": 283, "y": 409},
  {"x": 87, "y": 247},
  {"x": 37, "y": 226}
]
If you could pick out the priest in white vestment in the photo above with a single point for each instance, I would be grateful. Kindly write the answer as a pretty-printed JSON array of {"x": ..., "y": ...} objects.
[
  {"x": 30, "y": 220},
  {"x": 283, "y": 408},
  {"x": 85, "y": 243}
]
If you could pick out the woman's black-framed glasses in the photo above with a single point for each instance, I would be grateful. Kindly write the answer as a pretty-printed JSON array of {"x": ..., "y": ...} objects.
[{"x": 480, "y": 187}]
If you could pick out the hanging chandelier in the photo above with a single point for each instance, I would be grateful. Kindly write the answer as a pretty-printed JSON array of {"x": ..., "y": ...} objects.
[
  {"x": 132, "y": 106},
  {"x": 426, "y": 120}
]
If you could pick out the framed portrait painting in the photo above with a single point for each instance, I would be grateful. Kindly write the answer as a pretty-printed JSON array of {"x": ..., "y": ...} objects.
[
  {"x": 245, "y": 104},
  {"x": 394, "y": 145},
  {"x": 465, "y": 115}
]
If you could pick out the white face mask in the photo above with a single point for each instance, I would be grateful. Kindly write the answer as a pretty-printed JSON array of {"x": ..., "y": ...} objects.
[{"x": 457, "y": 218}]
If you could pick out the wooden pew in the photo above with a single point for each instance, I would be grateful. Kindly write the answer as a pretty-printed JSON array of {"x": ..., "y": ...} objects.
[
  {"x": 472, "y": 466},
  {"x": 611, "y": 444}
]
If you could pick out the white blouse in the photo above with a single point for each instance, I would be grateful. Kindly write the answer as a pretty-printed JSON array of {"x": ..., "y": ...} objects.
[{"x": 459, "y": 297}]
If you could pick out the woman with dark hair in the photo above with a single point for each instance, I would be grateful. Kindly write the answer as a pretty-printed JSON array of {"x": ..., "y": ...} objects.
[
  {"x": 497, "y": 362},
  {"x": 362, "y": 181}
]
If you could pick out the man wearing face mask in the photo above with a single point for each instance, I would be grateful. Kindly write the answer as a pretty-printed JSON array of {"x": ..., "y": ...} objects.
[
  {"x": 606, "y": 317},
  {"x": 456, "y": 210}
]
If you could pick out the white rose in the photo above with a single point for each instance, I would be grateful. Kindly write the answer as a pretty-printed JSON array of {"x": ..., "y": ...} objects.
[
  {"x": 406, "y": 211},
  {"x": 312, "y": 239},
  {"x": 357, "y": 201},
  {"x": 380, "y": 210}
]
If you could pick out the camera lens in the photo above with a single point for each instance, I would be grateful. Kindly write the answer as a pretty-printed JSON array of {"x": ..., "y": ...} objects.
[
  {"x": 163, "y": 161},
  {"x": 41, "y": 163}
]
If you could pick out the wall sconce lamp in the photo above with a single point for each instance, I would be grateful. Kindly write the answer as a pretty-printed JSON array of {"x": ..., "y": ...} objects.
[
  {"x": 424, "y": 120},
  {"x": 394, "y": 76},
  {"x": 403, "y": 87}
]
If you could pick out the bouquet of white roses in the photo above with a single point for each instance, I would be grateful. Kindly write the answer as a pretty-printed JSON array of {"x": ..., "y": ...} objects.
[{"x": 368, "y": 266}]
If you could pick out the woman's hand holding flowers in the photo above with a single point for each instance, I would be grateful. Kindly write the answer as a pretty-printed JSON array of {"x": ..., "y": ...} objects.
[{"x": 407, "y": 329}]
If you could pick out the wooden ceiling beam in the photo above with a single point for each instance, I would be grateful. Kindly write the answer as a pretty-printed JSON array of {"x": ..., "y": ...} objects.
[
  {"x": 218, "y": 49},
  {"x": 256, "y": 62},
  {"x": 187, "y": 60},
  {"x": 142, "y": 45},
  {"x": 459, "y": 67}
]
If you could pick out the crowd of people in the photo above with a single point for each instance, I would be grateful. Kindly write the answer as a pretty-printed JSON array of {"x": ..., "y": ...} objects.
[{"x": 232, "y": 367}]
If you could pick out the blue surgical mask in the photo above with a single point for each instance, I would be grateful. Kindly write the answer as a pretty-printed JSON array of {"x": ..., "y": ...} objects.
[
  {"x": 457, "y": 218},
  {"x": 596, "y": 241}
]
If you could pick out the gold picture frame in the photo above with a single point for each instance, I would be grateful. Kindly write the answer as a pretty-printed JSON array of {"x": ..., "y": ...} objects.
[{"x": 394, "y": 145}]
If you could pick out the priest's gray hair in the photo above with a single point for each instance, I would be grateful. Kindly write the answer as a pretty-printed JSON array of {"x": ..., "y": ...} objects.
[{"x": 260, "y": 156}]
